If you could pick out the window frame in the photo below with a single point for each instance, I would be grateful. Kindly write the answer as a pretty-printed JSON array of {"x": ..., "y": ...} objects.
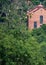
[
  {"x": 35, "y": 24},
  {"x": 41, "y": 19}
]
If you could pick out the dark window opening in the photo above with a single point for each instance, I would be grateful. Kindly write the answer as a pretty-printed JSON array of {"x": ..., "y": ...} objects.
[
  {"x": 35, "y": 24},
  {"x": 3, "y": 15},
  {"x": 41, "y": 19}
]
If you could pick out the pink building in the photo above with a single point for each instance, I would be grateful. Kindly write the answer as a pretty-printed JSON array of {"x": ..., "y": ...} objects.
[{"x": 36, "y": 17}]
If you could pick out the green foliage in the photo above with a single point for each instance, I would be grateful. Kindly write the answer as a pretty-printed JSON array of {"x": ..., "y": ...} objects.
[
  {"x": 18, "y": 46},
  {"x": 40, "y": 33}
]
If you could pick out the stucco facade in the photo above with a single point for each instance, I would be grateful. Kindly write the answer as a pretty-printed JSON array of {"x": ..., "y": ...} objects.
[{"x": 34, "y": 17}]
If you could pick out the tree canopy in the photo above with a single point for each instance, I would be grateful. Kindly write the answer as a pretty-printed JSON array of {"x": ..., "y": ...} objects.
[{"x": 18, "y": 45}]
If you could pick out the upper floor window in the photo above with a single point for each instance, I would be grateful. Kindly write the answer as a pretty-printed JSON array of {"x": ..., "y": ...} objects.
[{"x": 41, "y": 19}]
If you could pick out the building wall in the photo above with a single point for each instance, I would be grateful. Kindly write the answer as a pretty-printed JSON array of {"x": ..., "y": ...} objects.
[{"x": 35, "y": 16}]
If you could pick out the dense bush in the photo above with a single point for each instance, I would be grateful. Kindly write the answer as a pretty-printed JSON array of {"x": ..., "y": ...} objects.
[{"x": 23, "y": 48}]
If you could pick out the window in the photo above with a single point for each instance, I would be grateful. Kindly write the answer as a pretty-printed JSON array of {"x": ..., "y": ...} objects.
[
  {"x": 3, "y": 15},
  {"x": 35, "y": 24},
  {"x": 41, "y": 19}
]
